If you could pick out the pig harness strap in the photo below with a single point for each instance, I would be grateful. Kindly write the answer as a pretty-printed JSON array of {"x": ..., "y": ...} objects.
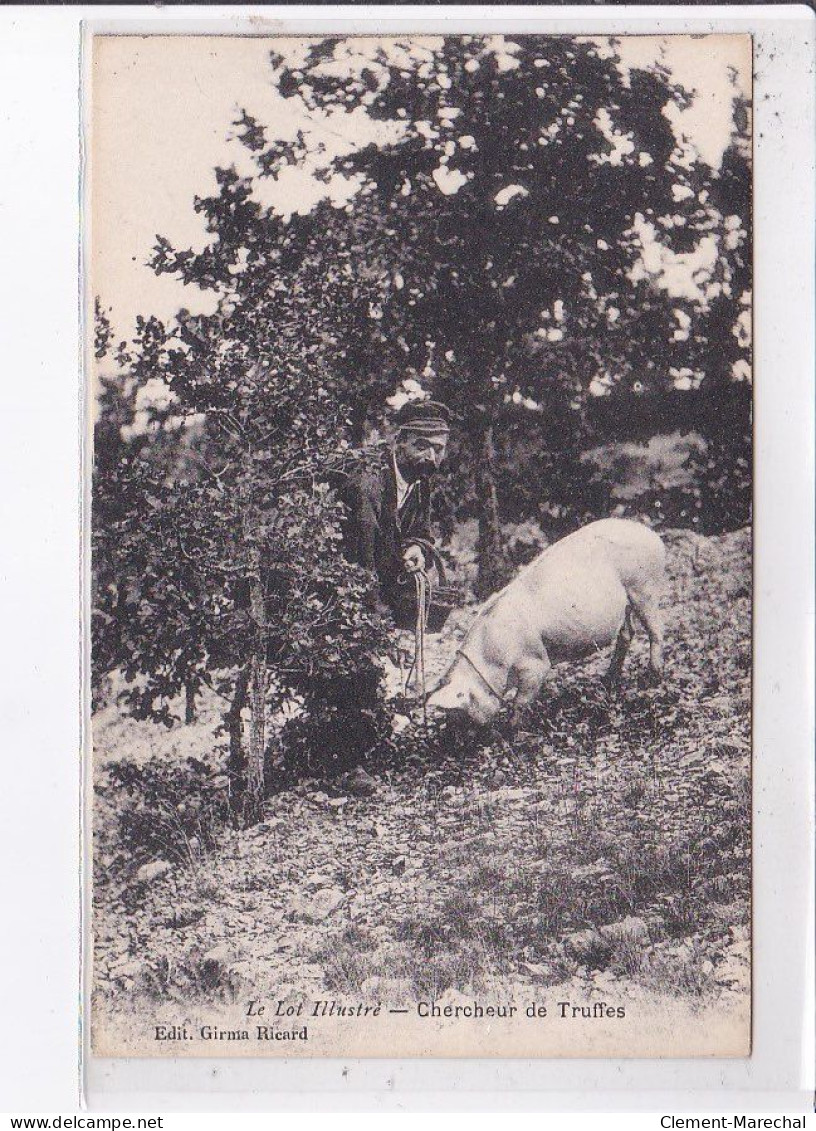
[{"x": 481, "y": 675}]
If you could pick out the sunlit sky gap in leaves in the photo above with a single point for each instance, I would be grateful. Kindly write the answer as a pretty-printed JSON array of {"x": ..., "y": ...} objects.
[{"x": 163, "y": 110}]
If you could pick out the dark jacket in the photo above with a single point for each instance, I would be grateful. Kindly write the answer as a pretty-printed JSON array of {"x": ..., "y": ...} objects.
[{"x": 378, "y": 532}]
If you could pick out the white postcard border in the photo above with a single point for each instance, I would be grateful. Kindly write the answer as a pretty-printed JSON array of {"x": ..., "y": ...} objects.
[{"x": 39, "y": 80}]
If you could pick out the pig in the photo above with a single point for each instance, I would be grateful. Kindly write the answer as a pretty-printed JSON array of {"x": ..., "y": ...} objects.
[{"x": 578, "y": 596}]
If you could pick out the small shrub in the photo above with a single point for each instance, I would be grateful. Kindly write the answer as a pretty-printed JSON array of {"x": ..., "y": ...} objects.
[
  {"x": 553, "y": 899},
  {"x": 171, "y": 812},
  {"x": 683, "y": 974},
  {"x": 628, "y": 956},
  {"x": 441, "y": 972},
  {"x": 685, "y": 911},
  {"x": 346, "y": 959},
  {"x": 156, "y": 978},
  {"x": 197, "y": 975},
  {"x": 425, "y": 935}
]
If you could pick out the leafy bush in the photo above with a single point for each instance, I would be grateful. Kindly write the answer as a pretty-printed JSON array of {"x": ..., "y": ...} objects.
[
  {"x": 216, "y": 531},
  {"x": 725, "y": 474},
  {"x": 168, "y": 811}
]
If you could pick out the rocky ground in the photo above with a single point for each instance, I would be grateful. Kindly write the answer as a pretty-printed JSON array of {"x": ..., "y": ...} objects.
[{"x": 606, "y": 844}]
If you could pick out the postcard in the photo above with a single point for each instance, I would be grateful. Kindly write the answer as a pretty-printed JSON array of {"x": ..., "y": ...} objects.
[{"x": 421, "y": 545}]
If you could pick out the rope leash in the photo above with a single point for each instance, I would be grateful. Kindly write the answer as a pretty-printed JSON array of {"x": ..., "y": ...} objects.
[{"x": 423, "y": 588}]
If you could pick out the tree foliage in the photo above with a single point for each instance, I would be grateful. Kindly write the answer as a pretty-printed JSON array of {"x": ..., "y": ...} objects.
[
  {"x": 531, "y": 203},
  {"x": 216, "y": 526}
]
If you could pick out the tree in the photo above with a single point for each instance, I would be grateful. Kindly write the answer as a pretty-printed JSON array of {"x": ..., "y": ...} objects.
[
  {"x": 513, "y": 204},
  {"x": 217, "y": 519}
]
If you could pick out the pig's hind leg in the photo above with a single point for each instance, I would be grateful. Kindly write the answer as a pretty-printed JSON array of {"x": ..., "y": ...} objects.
[
  {"x": 647, "y": 609},
  {"x": 612, "y": 678}
]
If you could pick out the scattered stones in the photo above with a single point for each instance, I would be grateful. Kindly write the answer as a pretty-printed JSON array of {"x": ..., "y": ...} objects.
[
  {"x": 321, "y": 879},
  {"x": 323, "y": 904},
  {"x": 392, "y": 991},
  {"x": 269, "y": 945},
  {"x": 541, "y": 971},
  {"x": 132, "y": 968},
  {"x": 152, "y": 871},
  {"x": 589, "y": 947},
  {"x": 262, "y": 829},
  {"x": 630, "y": 929},
  {"x": 185, "y": 915},
  {"x": 358, "y": 783},
  {"x": 222, "y": 954},
  {"x": 504, "y": 796}
]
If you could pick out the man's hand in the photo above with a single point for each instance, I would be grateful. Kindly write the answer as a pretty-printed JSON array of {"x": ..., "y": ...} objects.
[{"x": 413, "y": 559}]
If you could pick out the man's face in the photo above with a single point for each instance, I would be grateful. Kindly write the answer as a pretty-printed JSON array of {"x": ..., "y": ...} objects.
[{"x": 418, "y": 454}]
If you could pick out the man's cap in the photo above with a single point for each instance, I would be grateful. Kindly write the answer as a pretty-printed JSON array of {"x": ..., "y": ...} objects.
[{"x": 429, "y": 418}]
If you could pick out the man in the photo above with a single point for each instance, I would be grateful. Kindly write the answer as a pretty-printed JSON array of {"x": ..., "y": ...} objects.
[{"x": 390, "y": 521}]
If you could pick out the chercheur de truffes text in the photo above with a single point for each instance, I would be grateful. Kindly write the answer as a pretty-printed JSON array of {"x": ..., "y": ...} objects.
[
  {"x": 269, "y": 1018},
  {"x": 470, "y": 1010}
]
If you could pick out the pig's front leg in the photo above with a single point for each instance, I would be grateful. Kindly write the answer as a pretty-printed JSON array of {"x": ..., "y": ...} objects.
[{"x": 528, "y": 675}]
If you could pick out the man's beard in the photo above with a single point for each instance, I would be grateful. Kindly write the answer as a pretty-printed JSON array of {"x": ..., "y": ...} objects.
[{"x": 416, "y": 468}]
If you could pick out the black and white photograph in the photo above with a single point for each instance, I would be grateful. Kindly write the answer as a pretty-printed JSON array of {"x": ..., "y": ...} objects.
[{"x": 420, "y": 451}]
